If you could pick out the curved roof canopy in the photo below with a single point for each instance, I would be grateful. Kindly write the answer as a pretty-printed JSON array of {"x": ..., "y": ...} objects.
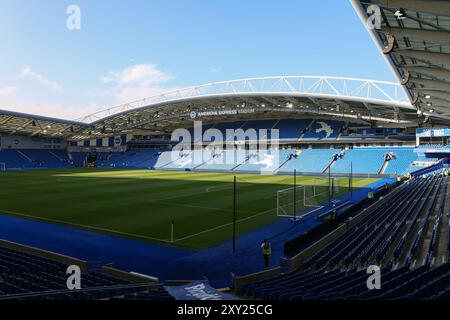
[
  {"x": 255, "y": 98},
  {"x": 414, "y": 35}
]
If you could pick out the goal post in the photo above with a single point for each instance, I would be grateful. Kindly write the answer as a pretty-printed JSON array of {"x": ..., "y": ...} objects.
[
  {"x": 2, "y": 166},
  {"x": 304, "y": 199},
  {"x": 290, "y": 201}
]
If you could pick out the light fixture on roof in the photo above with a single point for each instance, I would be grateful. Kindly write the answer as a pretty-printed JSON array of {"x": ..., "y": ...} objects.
[
  {"x": 400, "y": 14},
  {"x": 427, "y": 96},
  {"x": 289, "y": 105},
  {"x": 429, "y": 104},
  {"x": 431, "y": 110},
  {"x": 263, "y": 105}
]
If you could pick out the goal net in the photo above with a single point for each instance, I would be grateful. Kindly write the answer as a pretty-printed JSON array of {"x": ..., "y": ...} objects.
[{"x": 306, "y": 198}]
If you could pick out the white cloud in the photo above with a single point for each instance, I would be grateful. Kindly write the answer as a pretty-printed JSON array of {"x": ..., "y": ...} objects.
[
  {"x": 27, "y": 72},
  {"x": 139, "y": 74},
  {"x": 215, "y": 69},
  {"x": 137, "y": 82},
  {"x": 129, "y": 84},
  {"x": 50, "y": 109},
  {"x": 7, "y": 91}
]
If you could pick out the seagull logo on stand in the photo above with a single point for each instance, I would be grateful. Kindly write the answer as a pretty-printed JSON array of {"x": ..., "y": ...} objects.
[
  {"x": 267, "y": 162},
  {"x": 325, "y": 127}
]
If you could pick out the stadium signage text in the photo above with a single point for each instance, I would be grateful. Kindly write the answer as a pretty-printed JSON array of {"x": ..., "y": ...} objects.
[
  {"x": 437, "y": 132},
  {"x": 195, "y": 114}
]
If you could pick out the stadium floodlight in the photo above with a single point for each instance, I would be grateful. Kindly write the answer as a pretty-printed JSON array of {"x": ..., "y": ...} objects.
[{"x": 427, "y": 96}]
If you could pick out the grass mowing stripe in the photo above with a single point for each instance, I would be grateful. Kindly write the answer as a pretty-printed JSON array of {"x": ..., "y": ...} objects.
[
  {"x": 197, "y": 207},
  {"x": 141, "y": 203},
  {"x": 224, "y": 225},
  {"x": 29, "y": 216}
]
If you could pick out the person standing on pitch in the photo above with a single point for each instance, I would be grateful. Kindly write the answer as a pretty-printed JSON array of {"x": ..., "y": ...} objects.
[{"x": 267, "y": 252}]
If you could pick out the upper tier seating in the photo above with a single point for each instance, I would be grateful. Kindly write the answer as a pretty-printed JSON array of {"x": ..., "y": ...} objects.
[
  {"x": 291, "y": 129},
  {"x": 324, "y": 130},
  {"x": 308, "y": 129}
]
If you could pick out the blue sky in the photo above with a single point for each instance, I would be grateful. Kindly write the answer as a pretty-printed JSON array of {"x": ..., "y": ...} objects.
[{"x": 126, "y": 50}]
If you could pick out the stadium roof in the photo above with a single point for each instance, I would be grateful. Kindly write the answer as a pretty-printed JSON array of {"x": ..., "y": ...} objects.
[
  {"x": 34, "y": 125},
  {"x": 415, "y": 37},
  {"x": 256, "y": 98}
]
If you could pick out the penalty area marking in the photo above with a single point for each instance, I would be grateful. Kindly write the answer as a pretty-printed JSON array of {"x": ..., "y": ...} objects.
[{"x": 248, "y": 183}]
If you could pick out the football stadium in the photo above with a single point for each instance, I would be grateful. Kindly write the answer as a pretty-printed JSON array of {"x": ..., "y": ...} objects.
[{"x": 264, "y": 188}]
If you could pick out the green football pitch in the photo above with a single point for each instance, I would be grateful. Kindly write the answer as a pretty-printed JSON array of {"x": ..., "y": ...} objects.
[{"x": 141, "y": 204}]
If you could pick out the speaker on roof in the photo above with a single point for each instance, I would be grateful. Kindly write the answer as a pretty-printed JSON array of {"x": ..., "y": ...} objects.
[
  {"x": 405, "y": 78},
  {"x": 390, "y": 40}
]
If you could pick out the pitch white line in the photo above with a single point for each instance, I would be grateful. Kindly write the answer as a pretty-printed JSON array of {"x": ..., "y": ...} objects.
[
  {"x": 81, "y": 226},
  {"x": 222, "y": 226},
  {"x": 201, "y": 207}
]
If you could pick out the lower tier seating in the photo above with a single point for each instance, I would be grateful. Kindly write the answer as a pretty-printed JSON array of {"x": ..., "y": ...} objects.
[{"x": 28, "y": 276}]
